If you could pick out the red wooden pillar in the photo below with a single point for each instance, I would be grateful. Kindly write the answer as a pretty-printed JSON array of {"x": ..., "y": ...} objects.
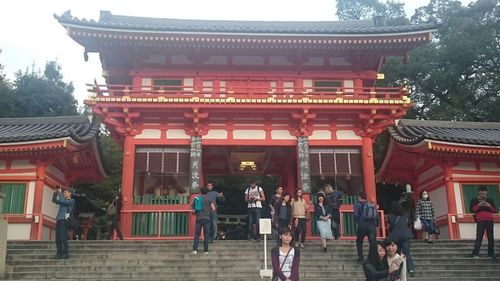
[
  {"x": 36, "y": 224},
  {"x": 450, "y": 198},
  {"x": 368, "y": 169},
  {"x": 127, "y": 185}
]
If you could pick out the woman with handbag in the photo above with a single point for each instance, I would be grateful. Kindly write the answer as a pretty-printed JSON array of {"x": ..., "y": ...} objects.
[
  {"x": 285, "y": 258},
  {"x": 66, "y": 205},
  {"x": 425, "y": 212}
]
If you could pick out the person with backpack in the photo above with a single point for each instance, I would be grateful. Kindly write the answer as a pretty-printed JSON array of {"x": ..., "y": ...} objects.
[
  {"x": 62, "y": 197},
  {"x": 203, "y": 208},
  {"x": 366, "y": 217},
  {"x": 254, "y": 196}
]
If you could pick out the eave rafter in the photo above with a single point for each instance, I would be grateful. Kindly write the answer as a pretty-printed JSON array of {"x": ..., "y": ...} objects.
[
  {"x": 303, "y": 119},
  {"x": 197, "y": 119}
]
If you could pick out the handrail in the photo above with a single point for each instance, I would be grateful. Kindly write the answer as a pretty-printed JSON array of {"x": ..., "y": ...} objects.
[{"x": 247, "y": 91}]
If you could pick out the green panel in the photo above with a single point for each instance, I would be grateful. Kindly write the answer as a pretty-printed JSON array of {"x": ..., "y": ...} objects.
[
  {"x": 145, "y": 224},
  {"x": 161, "y": 200},
  {"x": 470, "y": 191},
  {"x": 348, "y": 225},
  {"x": 174, "y": 224},
  {"x": 13, "y": 202}
]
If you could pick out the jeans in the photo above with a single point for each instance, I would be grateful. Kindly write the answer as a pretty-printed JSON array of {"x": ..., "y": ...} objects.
[
  {"x": 213, "y": 226},
  {"x": 428, "y": 225},
  {"x": 300, "y": 230},
  {"x": 480, "y": 228},
  {"x": 115, "y": 225},
  {"x": 61, "y": 239},
  {"x": 365, "y": 229},
  {"x": 404, "y": 246},
  {"x": 253, "y": 218},
  {"x": 206, "y": 233}
]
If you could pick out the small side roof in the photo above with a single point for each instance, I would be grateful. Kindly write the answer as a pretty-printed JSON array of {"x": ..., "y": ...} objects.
[
  {"x": 79, "y": 128},
  {"x": 410, "y": 132}
]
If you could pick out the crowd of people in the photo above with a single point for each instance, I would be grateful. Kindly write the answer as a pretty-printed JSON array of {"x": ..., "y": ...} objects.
[{"x": 387, "y": 260}]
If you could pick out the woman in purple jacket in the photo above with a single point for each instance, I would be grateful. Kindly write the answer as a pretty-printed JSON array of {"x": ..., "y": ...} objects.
[{"x": 285, "y": 258}]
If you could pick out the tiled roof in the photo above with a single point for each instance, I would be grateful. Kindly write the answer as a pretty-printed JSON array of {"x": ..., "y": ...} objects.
[
  {"x": 477, "y": 133},
  {"x": 110, "y": 21},
  {"x": 79, "y": 128}
]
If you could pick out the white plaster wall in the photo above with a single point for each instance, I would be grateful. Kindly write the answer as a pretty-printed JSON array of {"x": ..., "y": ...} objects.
[
  {"x": 347, "y": 135},
  {"x": 22, "y": 164},
  {"x": 48, "y": 207},
  {"x": 349, "y": 84},
  {"x": 438, "y": 198},
  {"x": 248, "y": 60},
  {"x": 180, "y": 59},
  {"x": 177, "y": 134},
  {"x": 18, "y": 174},
  {"x": 458, "y": 198},
  {"x": 279, "y": 61},
  {"x": 216, "y": 60},
  {"x": 321, "y": 135},
  {"x": 31, "y": 197},
  {"x": 339, "y": 61},
  {"x": 281, "y": 135},
  {"x": 429, "y": 173},
  {"x": 444, "y": 232},
  {"x": 149, "y": 134},
  {"x": 469, "y": 166},
  {"x": 188, "y": 84},
  {"x": 474, "y": 176},
  {"x": 56, "y": 172},
  {"x": 2, "y": 164},
  {"x": 155, "y": 59},
  {"x": 147, "y": 83},
  {"x": 216, "y": 135},
  {"x": 468, "y": 230},
  {"x": 489, "y": 167},
  {"x": 249, "y": 134},
  {"x": 46, "y": 231},
  {"x": 18, "y": 231}
]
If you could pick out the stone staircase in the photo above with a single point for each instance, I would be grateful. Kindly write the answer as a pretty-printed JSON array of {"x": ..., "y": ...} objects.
[{"x": 228, "y": 261}]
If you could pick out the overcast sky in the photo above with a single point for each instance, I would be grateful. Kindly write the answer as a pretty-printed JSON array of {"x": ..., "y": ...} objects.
[{"x": 29, "y": 34}]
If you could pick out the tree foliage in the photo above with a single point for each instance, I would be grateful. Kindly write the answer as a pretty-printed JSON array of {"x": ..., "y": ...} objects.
[
  {"x": 392, "y": 11},
  {"x": 37, "y": 95},
  {"x": 457, "y": 76}
]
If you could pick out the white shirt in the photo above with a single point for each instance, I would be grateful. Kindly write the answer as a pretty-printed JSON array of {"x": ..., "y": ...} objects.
[
  {"x": 254, "y": 192},
  {"x": 287, "y": 266}
]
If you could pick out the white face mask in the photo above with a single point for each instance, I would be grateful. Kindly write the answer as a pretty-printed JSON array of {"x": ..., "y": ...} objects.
[{"x": 425, "y": 196}]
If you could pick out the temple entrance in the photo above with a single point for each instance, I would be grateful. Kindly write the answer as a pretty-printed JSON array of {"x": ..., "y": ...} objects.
[{"x": 231, "y": 169}]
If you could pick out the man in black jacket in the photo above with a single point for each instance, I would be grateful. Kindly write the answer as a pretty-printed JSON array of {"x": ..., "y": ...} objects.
[{"x": 483, "y": 209}]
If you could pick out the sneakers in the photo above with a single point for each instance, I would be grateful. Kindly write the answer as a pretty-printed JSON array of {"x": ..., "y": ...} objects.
[
  {"x": 302, "y": 245},
  {"x": 411, "y": 273},
  {"x": 474, "y": 256},
  {"x": 194, "y": 252},
  {"x": 205, "y": 253},
  {"x": 325, "y": 250}
]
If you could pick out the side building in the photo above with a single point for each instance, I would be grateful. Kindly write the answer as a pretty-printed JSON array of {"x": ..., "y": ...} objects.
[
  {"x": 188, "y": 99},
  {"x": 36, "y": 155},
  {"x": 450, "y": 160}
]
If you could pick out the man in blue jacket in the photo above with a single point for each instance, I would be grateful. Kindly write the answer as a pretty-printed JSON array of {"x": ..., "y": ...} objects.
[{"x": 66, "y": 205}]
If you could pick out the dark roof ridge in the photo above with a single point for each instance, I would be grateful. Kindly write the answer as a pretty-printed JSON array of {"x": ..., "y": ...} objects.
[
  {"x": 44, "y": 120},
  {"x": 448, "y": 124}
]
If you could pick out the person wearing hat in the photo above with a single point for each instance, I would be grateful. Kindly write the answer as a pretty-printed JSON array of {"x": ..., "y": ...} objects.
[{"x": 62, "y": 197}]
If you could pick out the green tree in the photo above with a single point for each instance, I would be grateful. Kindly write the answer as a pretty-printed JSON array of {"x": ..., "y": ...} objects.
[
  {"x": 111, "y": 155},
  {"x": 6, "y": 95},
  {"x": 392, "y": 12},
  {"x": 39, "y": 95},
  {"x": 457, "y": 76}
]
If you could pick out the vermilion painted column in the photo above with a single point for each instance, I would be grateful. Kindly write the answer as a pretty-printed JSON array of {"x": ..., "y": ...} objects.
[
  {"x": 36, "y": 224},
  {"x": 450, "y": 198},
  {"x": 127, "y": 186},
  {"x": 368, "y": 169}
]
